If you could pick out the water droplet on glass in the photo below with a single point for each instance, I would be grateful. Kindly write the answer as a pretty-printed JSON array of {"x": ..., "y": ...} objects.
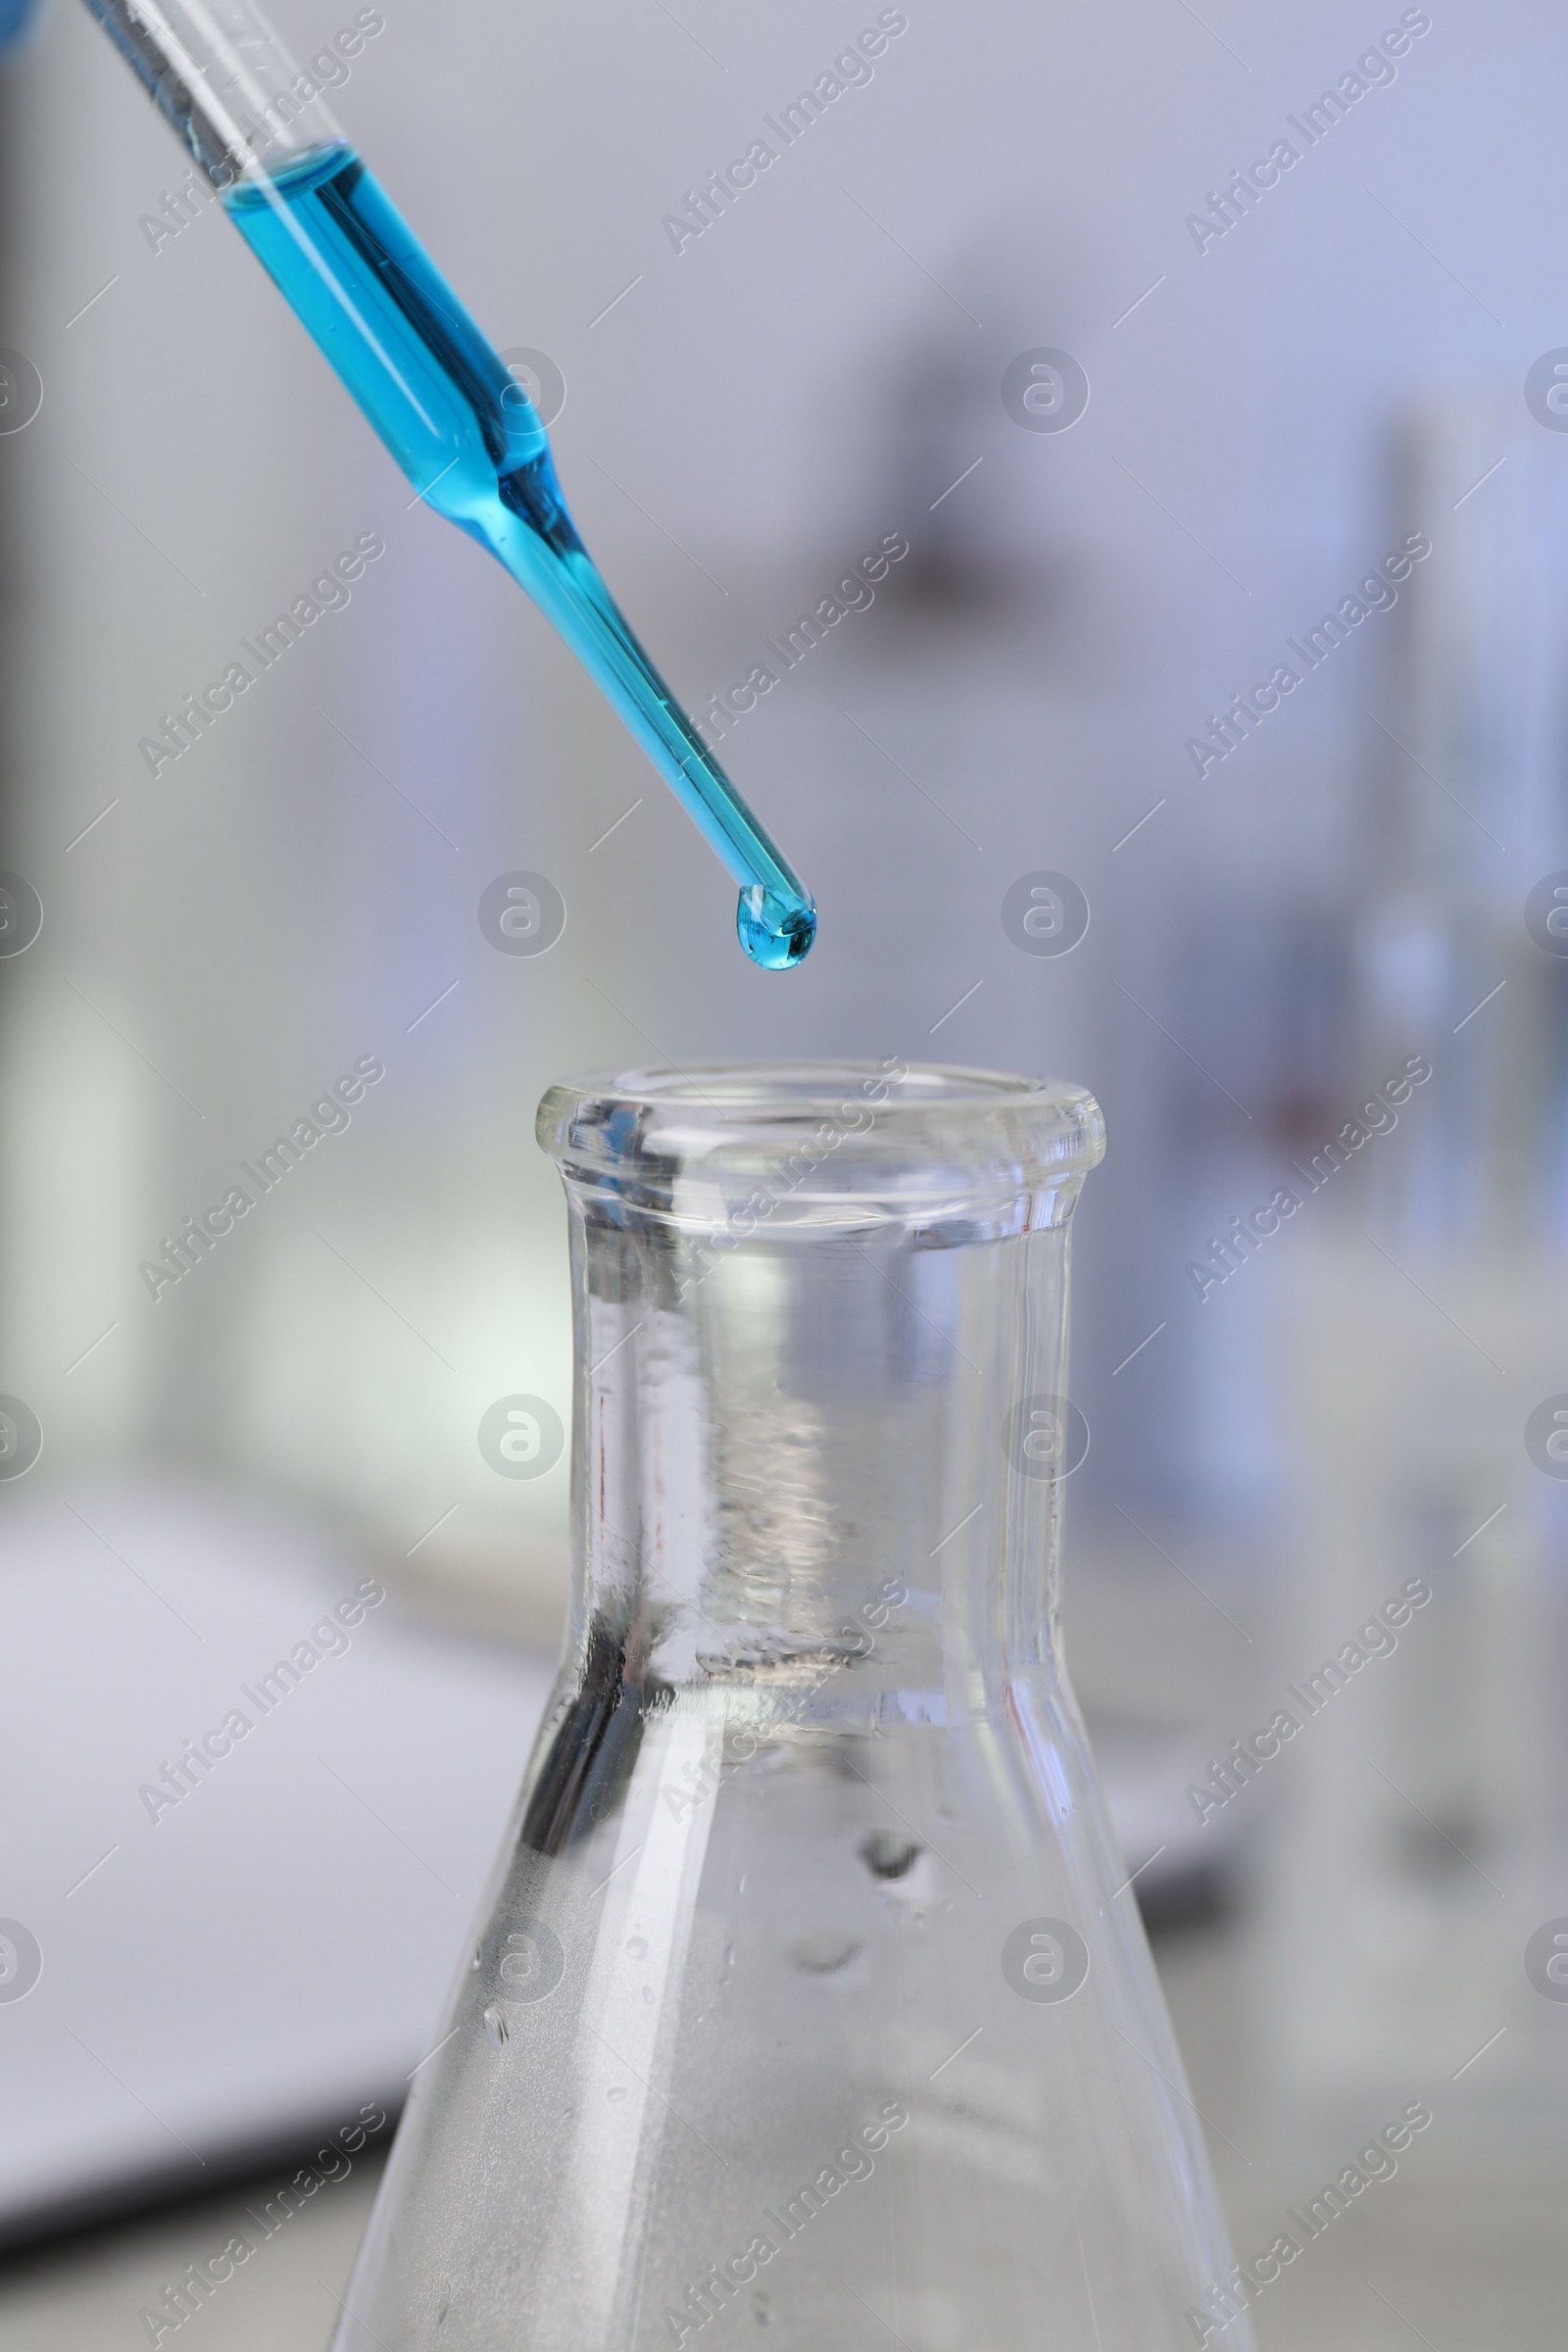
[
  {"x": 648, "y": 1994},
  {"x": 828, "y": 1950},
  {"x": 478, "y": 1955},
  {"x": 495, "y": 2024},
  {"x": 887, "y": 1855},
  {"x": 637, "y": 1946},
  {"x": 762, "y": 2309},
  {"x": 616, "y": 2090}
]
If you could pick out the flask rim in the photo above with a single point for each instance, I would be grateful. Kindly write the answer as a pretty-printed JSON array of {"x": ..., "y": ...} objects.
[{"x": 902, "y": 1130}]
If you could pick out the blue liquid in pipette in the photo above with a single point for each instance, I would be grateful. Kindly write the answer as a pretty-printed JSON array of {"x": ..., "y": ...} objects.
[{"x": 469, "y": 440}]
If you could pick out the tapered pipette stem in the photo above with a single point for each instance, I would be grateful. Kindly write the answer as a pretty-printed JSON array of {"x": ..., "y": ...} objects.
[{"x": 458, "y": 422}]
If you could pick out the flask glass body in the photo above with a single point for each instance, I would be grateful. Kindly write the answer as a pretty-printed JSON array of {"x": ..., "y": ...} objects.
[{"x": 810, "y": 2007}]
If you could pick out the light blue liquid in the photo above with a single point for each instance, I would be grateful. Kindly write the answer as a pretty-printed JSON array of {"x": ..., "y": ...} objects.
[{"x": 467, "y": 435}]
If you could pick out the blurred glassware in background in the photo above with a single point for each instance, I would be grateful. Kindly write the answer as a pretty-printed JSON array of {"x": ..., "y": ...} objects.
[{"x": 1432, "y": 1280}]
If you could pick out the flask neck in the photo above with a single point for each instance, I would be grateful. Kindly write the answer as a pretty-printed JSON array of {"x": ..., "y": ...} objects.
[{"x": 821, "y": 1470}]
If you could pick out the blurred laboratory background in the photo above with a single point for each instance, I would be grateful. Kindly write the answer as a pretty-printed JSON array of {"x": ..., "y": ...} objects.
[{"x": 1303, "y": 420}]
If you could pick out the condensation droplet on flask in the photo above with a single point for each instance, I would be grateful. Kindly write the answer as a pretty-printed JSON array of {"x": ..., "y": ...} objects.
[
  {"x": 762, "y": 2309},
  {"x": 478, "y": 1955},
  {"x": 495, "y": 2026},
  {"x": 887, "y": 1855},
  {"x": 648, "y": 1994},
  {"x": 616, "y": 2091},
  {"x": 825, "y": 1953},
  {"x": 637, "y": 1947}
]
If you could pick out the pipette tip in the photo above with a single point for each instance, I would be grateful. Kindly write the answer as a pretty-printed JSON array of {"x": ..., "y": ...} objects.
[{"x": 775, "y": 932}]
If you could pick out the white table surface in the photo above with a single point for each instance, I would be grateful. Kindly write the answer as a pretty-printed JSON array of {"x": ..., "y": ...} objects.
[{"x": 276, "y": 1949}]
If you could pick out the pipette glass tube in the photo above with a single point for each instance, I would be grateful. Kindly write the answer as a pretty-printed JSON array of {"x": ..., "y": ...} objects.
[{"x": 462, "y": 427}]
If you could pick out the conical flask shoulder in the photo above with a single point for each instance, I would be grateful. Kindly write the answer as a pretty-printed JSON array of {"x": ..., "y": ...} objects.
[{"x": 765, "y": 2016}]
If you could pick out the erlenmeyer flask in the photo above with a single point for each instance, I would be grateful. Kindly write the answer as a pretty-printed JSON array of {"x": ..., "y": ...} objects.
[{"x": 808, "y": 2016}]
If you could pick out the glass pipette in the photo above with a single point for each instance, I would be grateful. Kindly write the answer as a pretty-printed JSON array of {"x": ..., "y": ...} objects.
[{"x": 462, "y": 427}]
